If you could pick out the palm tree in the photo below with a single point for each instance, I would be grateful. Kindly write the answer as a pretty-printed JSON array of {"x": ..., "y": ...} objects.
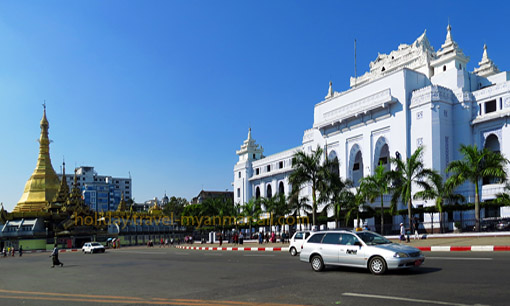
[
  {"x": 251, "y": 210},
  {"x": 308, "y": 169},
  {"x": 475, "y": 166},
  {"x": 297, "y": 204},
  {"x": 356, "y": 201},
  {"x": 377, "y": 186},
  {"x": 407, "y": 173},
  {"x": 440, "y": 192}
]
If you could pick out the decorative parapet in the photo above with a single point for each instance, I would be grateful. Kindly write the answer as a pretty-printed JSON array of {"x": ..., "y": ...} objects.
[
  {"x": 378, "y": 100},
  {"x": 432, "y": 93},
  {"x": 491, "y": 91},
  {"x": 413, "y": 56},
  {"x": 308, "y": 135},
  {"x": 276, "y": 157}
]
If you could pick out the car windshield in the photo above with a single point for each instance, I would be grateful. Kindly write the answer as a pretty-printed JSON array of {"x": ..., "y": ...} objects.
[
  {"x": 95, "y": 244},
  {"x": 372, "y": 238}
]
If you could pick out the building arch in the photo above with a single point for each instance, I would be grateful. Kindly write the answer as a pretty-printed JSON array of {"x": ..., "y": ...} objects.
[
  {"x": 355, "y": 164},
  {"x": 332, "y": 156},
  {"x": 382, "y": 153},
  {"x": 281, "y": 188},
  {"x": 492, "y": 144},
  {"x": 257, "y": 193},
  {"x": 269, "y": 191}
]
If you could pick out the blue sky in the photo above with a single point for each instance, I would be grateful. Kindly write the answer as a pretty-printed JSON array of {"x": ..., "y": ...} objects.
[{"x": 167, "y": 90}]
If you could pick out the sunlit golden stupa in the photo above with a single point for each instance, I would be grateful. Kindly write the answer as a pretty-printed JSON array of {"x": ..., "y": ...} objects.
[{"x": 43, "y": 185}]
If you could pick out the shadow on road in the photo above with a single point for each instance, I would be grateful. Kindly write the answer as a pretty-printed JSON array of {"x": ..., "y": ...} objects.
[{"x": 412, "y": 271}]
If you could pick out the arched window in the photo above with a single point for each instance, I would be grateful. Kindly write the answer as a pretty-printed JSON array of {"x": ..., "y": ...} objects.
[
  {"x": 492, "y": 144},
  {"x": 333, "y": 158},
  {"x": 444, "y": 67},
  {"x": 269, "y": 193},
  {"x": 357, "y": 168},
  {"x": 281, "y": 189},
  {"x": 257, "y": 193},
  {"x": 384, "y": 157}
]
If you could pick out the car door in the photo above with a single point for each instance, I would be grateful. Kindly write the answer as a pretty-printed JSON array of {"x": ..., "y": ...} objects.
[
  {"x": 330, "y": 248},
  {"x": 351, "y": 252}
]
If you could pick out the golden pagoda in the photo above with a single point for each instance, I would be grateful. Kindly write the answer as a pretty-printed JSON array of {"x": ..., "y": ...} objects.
[
  {"x": 43, "y": 185},
  {"x": 122, "y": 204}
]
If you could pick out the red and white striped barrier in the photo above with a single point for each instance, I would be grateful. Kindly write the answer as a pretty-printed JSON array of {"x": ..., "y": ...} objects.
[
  {"x": 238, "y": 249},
  {"x": 473, "y": 248},
  {"x": 439, "y": 248}
]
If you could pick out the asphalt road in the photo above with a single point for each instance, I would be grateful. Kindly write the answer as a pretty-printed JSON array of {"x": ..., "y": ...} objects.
[{"x": 168, "y": 276}]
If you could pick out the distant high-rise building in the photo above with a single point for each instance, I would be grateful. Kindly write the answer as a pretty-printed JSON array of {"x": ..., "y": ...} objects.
[{"x": 101, "y": 192}]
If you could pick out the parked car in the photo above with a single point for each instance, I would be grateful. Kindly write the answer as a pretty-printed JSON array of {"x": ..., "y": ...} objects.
[
  {"x": 297, "y": 241},
  {"x": 92, "y": 247},
  {"x": 363, "y": 249}
]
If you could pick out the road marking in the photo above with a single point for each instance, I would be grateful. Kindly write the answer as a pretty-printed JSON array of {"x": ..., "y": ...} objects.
[
  {"x": 459, "y": 258},
  {"x": 258, "y": 255},
  {"x": 105, "y": 299},
  {"x": 142, "y": 252},
  {"x": 397, "y": 298},
  {"x": 213, "y": 254}
]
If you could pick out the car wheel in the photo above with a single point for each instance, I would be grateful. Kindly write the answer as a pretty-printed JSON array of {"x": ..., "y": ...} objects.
[
  {"x": 317, "y": 263},
  {"x": 293, "y": 251},
  {"x": 377, "y": 265}
]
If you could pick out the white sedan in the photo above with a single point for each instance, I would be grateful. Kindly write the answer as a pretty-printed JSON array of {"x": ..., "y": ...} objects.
[
  {"x": 358, "y": 249},
  {"x": 92, "y": 247}
]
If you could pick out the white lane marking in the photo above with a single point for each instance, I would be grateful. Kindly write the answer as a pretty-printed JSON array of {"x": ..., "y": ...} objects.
[
  {"x": 396, "y": 298},
  {"x": 258, "y": 255},
  {"x": 213, "y": 254},
  {"x": 459, "y": 258},
  {"x": 142, "y": 252}
]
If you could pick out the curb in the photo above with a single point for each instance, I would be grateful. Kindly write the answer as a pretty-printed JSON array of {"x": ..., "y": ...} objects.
[
  {"x": 247, "y": 249},
  {"x": 473, "y": 248}
]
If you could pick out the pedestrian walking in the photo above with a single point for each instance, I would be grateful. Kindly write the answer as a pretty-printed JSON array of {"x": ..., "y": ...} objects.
[
  {"x": 221, "y": 239},
  {"x": 241, "y": 238},
  {"x": 402, "y": 232},
  {"x": 416, "y": 224},
  {"x": 261, "y": 238},
  {"x": 20, "y": 250},
  {"x": 54, "y": 258}
]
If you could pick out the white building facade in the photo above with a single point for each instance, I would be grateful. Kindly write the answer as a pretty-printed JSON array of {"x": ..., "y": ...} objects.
[{"x": 411, "y": 97}]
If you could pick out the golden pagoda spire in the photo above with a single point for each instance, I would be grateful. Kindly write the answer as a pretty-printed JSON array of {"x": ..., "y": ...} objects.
[
  {"x": 63, "y": 191},
  {"x": 75, "y": 197},
  {"x": 43, "y": 185},
  {"x": 122, "y": 204}
]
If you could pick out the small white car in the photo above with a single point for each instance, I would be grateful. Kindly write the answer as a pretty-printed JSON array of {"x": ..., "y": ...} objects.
[
  {"x": 296, "y": 242},
  {"x": 92, "y": 247}
]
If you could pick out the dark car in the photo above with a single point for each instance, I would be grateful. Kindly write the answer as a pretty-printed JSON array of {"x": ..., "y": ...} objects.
[{"x": 503, "y": 225}]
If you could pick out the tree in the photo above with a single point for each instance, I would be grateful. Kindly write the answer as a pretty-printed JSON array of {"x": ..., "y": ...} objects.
[
  {"x": 356, "y": 201},
  {"x": 405, "y": 175},
  {"x": 297, "y": 204},
  {"x": 308, "y": 169},
  {"x": 378, "y": 185},
  {"x": 251, "y": 210},
  {"x": 475, "y": 166},
  {"x": 175, "y": 207},
  {"x": 277, "y": 206},
  {"x": 440, "y": 192},
  {"x": 330, "y": 188}
]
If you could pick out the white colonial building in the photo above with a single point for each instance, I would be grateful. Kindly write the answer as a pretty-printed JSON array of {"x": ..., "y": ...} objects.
[{"x": 412, "y": 97}]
